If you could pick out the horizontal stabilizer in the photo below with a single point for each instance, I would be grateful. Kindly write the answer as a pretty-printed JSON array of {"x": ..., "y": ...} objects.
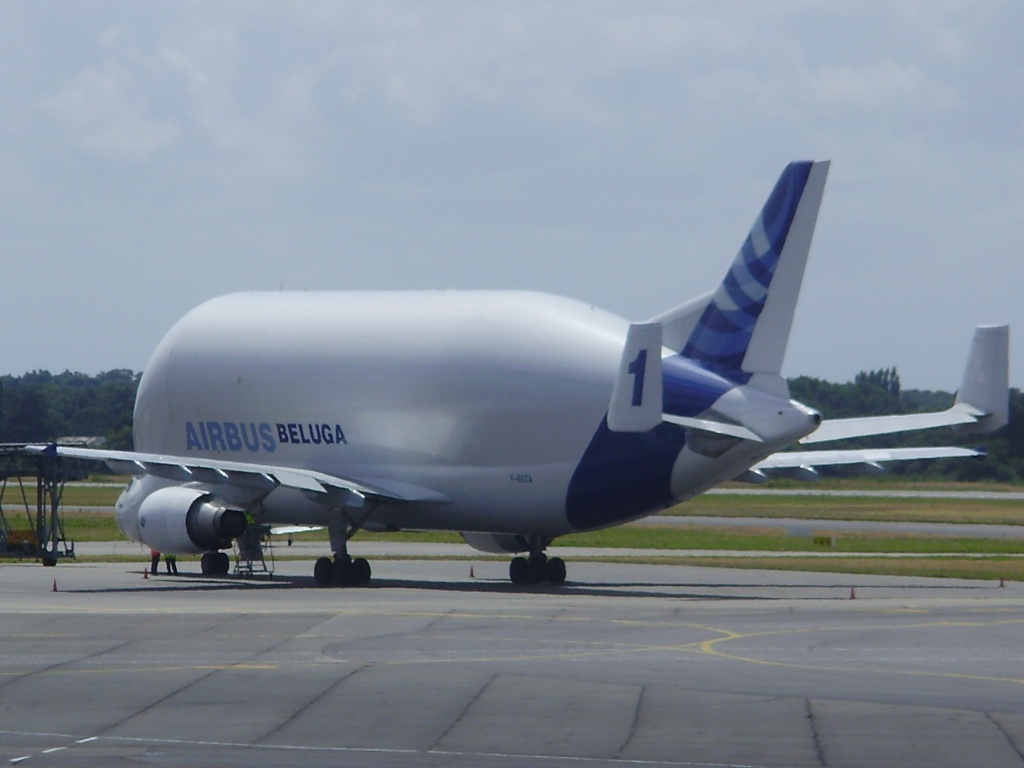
[
  {"x": 637, "y": 395},
  {"x": 713, "y": 427}
]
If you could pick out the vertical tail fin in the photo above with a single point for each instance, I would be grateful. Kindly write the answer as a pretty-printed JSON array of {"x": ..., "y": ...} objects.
[
  {"x": 744, "y": 328},
  {"x": 986, "y": 381}
]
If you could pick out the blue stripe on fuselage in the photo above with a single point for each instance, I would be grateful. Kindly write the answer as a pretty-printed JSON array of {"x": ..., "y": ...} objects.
[
  {"x": 690, "y": 389},
  {"x": 625, "y": 475}
]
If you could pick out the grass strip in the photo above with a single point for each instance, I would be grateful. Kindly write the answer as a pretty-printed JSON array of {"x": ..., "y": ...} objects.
[
  {"x": 873, "y": 509},
  {"x": 775, "y": 540},
  {"x": 995, "y": 568},
  {"x": 986, "y": 511},
  {"x": 100, "y": 526}
]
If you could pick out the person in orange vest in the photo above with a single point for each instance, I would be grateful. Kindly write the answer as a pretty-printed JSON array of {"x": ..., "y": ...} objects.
[{"x": 154, "y": 560}]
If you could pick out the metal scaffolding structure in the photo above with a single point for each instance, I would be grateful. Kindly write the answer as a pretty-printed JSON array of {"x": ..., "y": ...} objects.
[
  {"x": 254, "y": 552},
  {"x": 31, "y": 525}
]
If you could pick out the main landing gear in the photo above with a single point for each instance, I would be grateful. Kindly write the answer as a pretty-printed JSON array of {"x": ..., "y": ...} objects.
[
  {"x": 342, "y": 570},
  {"x": 537, "y": 568},
  {"x": 214, "y": 563}
]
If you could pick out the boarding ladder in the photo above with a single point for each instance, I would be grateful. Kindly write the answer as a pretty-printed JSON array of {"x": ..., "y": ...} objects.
[{"x": 253, "y": 550}]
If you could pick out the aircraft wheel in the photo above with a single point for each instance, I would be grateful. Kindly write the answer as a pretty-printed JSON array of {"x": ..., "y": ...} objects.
[
  {"x": 538, "y": 569},
  {"x": 342, "y": 571},
  {"x": 323, "y": 572},
  {"x": 214, "y": 564},
  {"x": 556, "y": 570},
  {"x": 519, "y": 570},
  {"x": 359, "y": 572}
]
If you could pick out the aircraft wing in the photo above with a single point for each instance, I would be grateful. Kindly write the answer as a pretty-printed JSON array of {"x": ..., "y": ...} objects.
[{"x": 251, "y": 476}]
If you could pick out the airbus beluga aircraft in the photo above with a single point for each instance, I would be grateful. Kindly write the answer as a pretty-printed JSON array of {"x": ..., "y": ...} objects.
[{"x": 510, "y": 417}]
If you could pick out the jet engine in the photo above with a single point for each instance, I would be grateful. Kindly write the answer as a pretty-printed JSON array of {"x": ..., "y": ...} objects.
[{"x": 187, "y": 521}]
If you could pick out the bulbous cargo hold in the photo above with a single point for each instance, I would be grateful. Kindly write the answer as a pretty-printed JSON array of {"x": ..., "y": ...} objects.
[{"x": 330, "y": 380}]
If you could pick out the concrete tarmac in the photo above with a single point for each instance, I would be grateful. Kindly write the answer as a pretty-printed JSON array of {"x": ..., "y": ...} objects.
[{"x": 444, "y": 663}]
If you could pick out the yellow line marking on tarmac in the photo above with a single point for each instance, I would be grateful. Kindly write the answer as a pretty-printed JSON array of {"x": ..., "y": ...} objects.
[
  {"x": 709, "y": 647},
  {"x": 569, "y": 648}
]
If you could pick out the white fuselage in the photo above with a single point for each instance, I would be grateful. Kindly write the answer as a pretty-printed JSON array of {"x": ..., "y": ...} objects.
[{"x": 496, "y": 400}]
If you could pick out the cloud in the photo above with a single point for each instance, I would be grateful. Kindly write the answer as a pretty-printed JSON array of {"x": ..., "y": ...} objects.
[
  {"x": 883, "y": 85},
  {"x": 106, "y": 107},
  {"x": 614, "y": 151}
]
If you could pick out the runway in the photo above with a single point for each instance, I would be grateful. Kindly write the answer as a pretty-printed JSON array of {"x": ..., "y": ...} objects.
[{"x": 436, "y": 665}]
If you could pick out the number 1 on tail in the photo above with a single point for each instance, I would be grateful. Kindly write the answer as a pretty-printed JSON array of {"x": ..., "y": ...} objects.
[{"x": 637, "y": 369}]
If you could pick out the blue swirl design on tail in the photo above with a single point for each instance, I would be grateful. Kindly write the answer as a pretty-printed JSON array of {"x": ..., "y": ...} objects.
[{"x": 719, "y": 341}]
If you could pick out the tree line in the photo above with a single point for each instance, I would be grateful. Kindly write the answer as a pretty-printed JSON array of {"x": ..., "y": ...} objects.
[{"x": 41, "y": 407}]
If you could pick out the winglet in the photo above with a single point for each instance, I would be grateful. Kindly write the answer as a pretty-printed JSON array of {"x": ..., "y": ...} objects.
[
  {"x": 986, "y": 381},
  {"x": 637, "y": 396}
]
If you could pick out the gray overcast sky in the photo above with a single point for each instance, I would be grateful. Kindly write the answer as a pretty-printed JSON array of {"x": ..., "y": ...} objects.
[{"x": 154, "y": 155}]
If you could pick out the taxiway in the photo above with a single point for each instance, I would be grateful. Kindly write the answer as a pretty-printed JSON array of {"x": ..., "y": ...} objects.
[{"x": 445, "y": 663}]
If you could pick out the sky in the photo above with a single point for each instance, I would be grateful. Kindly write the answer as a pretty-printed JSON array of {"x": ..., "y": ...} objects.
[{"x": 155, "y": 155}]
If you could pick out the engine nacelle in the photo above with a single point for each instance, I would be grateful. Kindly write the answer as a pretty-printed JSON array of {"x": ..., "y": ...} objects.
[
  {"x": 498, "y": 543},
  {"x": 185, "y": 521}
]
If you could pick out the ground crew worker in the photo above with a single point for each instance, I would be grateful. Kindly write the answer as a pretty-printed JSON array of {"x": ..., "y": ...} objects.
[{"x": 154, "y": 560}]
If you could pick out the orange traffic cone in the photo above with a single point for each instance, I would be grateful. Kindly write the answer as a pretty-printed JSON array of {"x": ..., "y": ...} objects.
[{"x": 54, "y": 586}]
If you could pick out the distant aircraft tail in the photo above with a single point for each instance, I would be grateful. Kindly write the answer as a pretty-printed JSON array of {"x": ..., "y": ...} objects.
[
  {"x": 744, "y": 326},
  {"x": 986, "y": 382},
  {"x": 982, "y": 402}
]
